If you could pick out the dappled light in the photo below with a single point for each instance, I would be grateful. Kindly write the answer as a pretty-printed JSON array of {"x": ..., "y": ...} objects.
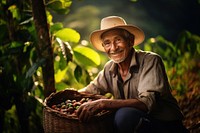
[{"x": 27, "y": 51}]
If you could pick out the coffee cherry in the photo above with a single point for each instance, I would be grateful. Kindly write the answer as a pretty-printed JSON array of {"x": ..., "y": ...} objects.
[{"x": 70, "y": 107}]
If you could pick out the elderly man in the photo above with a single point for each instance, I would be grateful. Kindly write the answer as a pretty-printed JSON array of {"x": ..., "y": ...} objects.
[{"x": 137, "y": 80}]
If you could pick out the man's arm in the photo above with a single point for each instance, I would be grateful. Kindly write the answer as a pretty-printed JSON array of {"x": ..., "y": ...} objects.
[
  {"x": 119, "y": 103},
  {"x": 87, "y": 110}
]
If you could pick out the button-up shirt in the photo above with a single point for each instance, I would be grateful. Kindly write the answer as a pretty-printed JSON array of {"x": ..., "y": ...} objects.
[{"x": 146, "y": 81}]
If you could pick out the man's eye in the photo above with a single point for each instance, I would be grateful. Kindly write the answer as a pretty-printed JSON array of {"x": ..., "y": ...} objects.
[
  {"x": 106, "y": 44},
  {"x": 118, "y": 40}
]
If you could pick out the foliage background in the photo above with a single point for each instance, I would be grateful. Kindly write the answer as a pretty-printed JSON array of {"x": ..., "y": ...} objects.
[{"x": 174, "y": 34}]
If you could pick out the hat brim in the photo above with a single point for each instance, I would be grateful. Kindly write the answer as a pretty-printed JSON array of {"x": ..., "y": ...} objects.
[{"x": 95, "y": 37}]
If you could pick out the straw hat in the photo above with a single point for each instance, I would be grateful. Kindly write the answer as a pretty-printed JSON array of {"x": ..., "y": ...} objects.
[{"x": 112, "y": 22}]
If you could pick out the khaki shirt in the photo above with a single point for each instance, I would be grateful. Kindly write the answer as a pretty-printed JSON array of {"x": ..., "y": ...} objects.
[{"x": 146, "y": 81}]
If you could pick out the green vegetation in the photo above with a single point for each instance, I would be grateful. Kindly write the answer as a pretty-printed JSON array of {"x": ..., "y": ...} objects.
[
  {"x": 22, "y": 62},
  {"x": 180, "y": 58},
  {"x": 75, "y": 65}
]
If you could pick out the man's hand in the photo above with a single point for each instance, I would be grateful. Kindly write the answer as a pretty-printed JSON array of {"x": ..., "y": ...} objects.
[{"x": 89, "y": 109}]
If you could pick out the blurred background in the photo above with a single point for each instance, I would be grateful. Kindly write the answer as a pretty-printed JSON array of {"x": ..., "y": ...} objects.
[
  {"x": 158, "y": 17},
  {"x": 45, "y": 48}
]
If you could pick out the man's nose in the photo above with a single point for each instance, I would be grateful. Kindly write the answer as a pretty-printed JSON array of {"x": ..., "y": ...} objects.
[{"x": 113, "y": 46}]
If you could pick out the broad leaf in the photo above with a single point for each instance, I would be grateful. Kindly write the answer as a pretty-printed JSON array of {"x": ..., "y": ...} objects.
[
  {"x": 55, "y": 27},
  {"x": 61, "y": 86},
  {"x": 86, "y": 56},
  {"x": 68, "y": 35},
  {"x": 78, "y": 73},
  {"x": 60, "y": 6},
  {"x": 60, "y": 75},
  {"x": 15, "y": 12}
]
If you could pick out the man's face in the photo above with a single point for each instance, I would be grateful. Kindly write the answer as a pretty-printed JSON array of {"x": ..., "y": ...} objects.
[{"x": 115, "y": 45}]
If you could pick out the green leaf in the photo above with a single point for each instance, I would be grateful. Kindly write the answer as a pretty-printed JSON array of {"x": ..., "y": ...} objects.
[
  {"x": 34, "y": 67},
  {"x": 61, "y": 86},
  {"x": 16, "y": 44},
  {"x": 49, "y": 17},
  {"x": 68, "y": 35},
  {"x": 78, "y": 73},
  {"x": 60, "y": 75},
  {"x": 86, "y": 56},
  {"x": 55, "y": 27},
  {"x": 60, "y": 6},
  {"x": 147, "y": 47},
  {"x": 15, "y": 12},
  {"x": 62, "y": 11}
]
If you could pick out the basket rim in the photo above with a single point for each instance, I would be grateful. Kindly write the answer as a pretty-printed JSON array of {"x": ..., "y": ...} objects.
[{"x": 73, "y": 117}]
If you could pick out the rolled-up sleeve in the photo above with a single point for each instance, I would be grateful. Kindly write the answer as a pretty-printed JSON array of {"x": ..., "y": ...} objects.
[{"x": 152, "y": 80}]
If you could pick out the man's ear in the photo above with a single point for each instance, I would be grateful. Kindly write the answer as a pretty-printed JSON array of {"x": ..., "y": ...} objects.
[{"x": 131, "y": 41}]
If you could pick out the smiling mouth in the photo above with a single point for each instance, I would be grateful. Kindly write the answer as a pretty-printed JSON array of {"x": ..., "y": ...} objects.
[{"x": 116, "y": 53}]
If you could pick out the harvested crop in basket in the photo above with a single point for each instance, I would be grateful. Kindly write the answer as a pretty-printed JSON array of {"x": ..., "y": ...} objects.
[{"x": 70, "y": 107}]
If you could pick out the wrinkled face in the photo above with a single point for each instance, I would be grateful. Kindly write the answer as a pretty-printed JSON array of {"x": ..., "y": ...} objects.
[{"x": 116, "y": 45}]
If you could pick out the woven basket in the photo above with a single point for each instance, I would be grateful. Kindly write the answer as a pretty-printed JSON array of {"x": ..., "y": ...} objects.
[{"x": 57, "y": 122}]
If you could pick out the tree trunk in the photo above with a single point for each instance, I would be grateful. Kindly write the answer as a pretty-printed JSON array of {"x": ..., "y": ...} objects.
[{"x": 43, "y": 46}]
